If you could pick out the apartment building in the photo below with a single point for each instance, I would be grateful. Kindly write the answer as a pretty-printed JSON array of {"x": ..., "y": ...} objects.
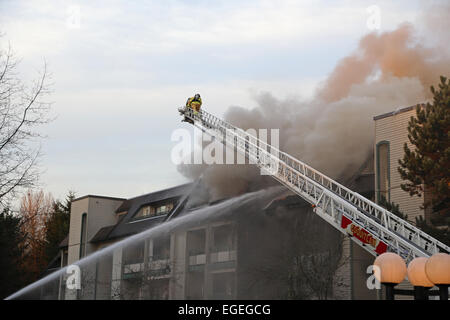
[
  {"x": 254, "y": 249},
  {"x": 246, "y": 249}
]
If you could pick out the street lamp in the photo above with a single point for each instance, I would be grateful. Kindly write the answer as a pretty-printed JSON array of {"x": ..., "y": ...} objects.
[
  {"x": 418, "y": 278},
  {"x": 437, "y": 269},
  {"x": 391, "y": 271}
]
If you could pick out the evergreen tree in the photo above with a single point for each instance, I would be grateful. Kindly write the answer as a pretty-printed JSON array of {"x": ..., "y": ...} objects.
[
  {"x": 392, "y": 207},
  {"x": 441, "y": 234},
  {"x": 11, "y": 278},
  {"x": 427, "y": 167},
  {"x": 57, "y": 226}
]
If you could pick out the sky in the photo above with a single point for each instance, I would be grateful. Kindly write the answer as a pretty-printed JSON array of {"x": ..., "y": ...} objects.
[{"x": 120, "y": 69}]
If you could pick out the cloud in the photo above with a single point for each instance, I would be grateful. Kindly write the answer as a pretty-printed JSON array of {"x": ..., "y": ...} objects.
[
  {"x": 159, "y": 27},
  {"x": 120, "y": 77}
]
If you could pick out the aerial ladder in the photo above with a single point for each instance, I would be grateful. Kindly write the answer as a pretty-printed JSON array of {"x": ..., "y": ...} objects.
[{"x": 369, "y": 225}]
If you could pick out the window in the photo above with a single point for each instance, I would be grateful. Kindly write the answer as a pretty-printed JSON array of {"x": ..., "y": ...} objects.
[
  {"x": 223, "y": 238},
  {"x": 134, "y": 253},
  {"x": 196, "y": 240},
  {"x": 147, "y": 211},
  {"x": 161, "y": 248},
  {"x": 164, "y": 208},
  {"x": 83, "y": 235},
  {"x": 154, "y": 210},
  {"x": 195, "y": 285},
  {"x": 161, "y": 209},
  {"x": 383, "y": 167}
]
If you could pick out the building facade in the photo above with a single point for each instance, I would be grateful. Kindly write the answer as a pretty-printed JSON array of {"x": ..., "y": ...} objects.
[
  {"x": 264, "y": 245},
  {"x": 268, "y": 246},
  {"x": 391, "y": 133}
]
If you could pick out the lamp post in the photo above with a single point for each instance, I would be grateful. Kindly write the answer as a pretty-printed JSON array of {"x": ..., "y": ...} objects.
[
  {"x": 437, "y": 269},
  {"x": 418, "y": 278},
  {"x": 390, "y": 272}
]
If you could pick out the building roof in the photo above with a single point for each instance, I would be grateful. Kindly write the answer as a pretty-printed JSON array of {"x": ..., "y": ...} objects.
[
  {"x": 102, "y": 234},
  {"x": 64, "y": 243},
  {"x": 397, "y": 111},
  {"x": 97, "y": 196},
  {"x": 154, "y": 196},
  {"x": 127, "y": 225},
  {"x": 244, "y": 208},
  {"x": 192, "y": 197},
  {"x": 286, "y": 198}
]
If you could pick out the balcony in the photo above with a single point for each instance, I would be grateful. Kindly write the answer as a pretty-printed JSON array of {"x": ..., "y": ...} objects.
[
  {"x": 224, "y": 259},
  {"x": 223, "y": 256},
  {"x": 159, "y": 269},
  {"x": 197, "y": 259},
  {"x": 132, "y": 270}
]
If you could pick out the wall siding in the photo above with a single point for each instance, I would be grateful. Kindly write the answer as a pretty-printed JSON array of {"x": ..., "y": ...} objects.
[
  {"x": 101, "y": 214},
  {"x": 77, "y": 209},
  {"x": 394, "y": 130}
]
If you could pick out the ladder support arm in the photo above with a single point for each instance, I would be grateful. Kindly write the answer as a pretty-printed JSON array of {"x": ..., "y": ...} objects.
[{"x": 374, "y": 228}]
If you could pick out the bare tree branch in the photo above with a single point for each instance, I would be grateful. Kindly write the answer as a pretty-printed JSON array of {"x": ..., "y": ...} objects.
[{"x": 22, "y": 111}]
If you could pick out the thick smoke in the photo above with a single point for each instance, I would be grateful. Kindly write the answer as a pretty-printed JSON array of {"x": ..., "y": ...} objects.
[
  {"x": 390, "y": 54},
  {"x": 333, "y": 132}
]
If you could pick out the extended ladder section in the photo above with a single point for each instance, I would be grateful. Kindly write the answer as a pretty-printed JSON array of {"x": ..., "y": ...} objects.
[{"x": 369, "y": 225}]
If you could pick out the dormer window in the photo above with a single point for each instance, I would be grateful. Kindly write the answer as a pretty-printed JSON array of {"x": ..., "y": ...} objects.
[
  {"x": 152, "y": 210},
  {"x": 147, "y": 211},
  {"x": 164, "y": 208}
]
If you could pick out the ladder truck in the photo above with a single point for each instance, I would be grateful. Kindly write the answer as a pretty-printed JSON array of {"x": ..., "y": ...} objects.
[{"x": 369, "y": 225}]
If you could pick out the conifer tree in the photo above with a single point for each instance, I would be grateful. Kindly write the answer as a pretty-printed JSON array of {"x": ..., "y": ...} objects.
[
  {"x": 57, "y": 226},
  {"x": 427, "y": 166},
  {"x": 11, "y": 278}
]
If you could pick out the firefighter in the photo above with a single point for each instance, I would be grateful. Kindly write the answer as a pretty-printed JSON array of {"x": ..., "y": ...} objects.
[{"x": 195, "y": 103}]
